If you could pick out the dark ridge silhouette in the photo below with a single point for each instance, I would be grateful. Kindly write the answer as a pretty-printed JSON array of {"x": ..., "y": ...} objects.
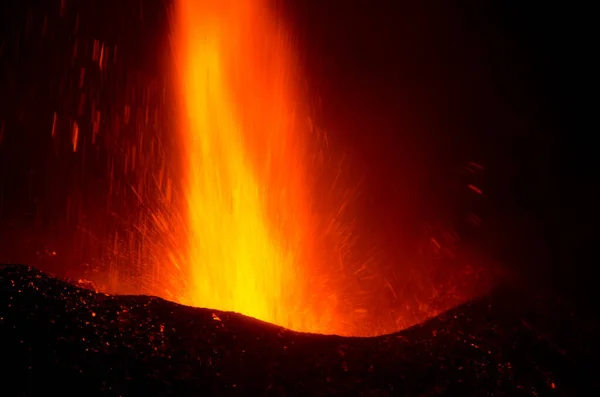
[{"x": 59, "y": 337}]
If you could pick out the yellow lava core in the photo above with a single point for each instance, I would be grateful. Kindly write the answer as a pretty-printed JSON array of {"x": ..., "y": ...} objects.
[{"x": 249, "y": 237}]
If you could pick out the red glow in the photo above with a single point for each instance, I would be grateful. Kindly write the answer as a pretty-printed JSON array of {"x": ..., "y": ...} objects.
[{"x": 210, "y": 185}]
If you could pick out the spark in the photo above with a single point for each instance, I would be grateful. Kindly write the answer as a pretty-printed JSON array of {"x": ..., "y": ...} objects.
[
  {"x": 75, "y": 136},
  {"x": 475, "y": 189}
]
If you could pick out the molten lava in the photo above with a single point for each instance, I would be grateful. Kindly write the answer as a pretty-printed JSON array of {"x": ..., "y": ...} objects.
[{"x": 250, "y": 231}]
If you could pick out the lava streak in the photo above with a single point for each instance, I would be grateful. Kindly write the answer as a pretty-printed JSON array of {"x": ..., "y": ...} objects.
[{"x": 249, "y": 240}]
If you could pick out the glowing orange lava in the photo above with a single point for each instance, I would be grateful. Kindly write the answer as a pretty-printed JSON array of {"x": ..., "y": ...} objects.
[{"x": 250, "y": 232}]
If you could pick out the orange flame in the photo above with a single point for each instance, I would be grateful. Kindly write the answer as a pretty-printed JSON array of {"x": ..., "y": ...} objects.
[{"x": 249, "y": 237}]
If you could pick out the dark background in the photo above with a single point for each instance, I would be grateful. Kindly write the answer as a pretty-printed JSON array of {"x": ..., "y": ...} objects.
[
  {"x": 423, "y": 88},
  {"x": 412, "y": 91}
]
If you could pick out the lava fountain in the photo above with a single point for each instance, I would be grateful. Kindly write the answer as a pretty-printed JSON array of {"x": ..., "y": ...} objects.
[{"x": 250, "y": 243}]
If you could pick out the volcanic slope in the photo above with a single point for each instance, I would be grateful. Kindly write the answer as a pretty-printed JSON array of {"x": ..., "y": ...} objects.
[{"x": 57, "y": 337}]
